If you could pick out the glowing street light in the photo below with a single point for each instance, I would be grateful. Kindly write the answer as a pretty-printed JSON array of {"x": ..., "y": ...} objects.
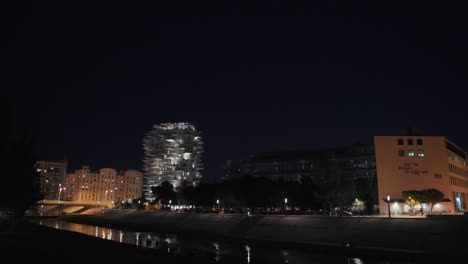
[
  {"x": 388, "y": 205},
  {"x": 285, "y": 206},
  {"x": 60, "y": 191}
]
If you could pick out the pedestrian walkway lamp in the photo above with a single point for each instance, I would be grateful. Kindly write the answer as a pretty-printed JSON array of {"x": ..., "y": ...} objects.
[
  {"x": 60, "y": 192},
  {"x": 388, "y": 206},
  {"x": 285, "y": 206}
]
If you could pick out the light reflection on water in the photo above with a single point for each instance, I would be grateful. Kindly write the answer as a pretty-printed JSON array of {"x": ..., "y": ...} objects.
[
  {"x": 217, "y": 250},
  {"x": 247, "y": 248}
]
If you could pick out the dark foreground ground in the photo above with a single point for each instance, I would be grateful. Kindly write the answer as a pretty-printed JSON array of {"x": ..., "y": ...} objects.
[
  {"x": 435, "y": 237},
  {"x": 32, "y": 243}
]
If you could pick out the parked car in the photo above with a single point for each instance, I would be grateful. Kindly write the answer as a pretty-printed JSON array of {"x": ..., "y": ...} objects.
[{"x": 342, "y": 212}]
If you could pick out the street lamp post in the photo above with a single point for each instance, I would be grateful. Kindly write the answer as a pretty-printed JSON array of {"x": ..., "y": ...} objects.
[
  {"x": 64, "y": 190},
  {"x": 60, "y": 192},
  {"x": 285, "y": 206},
  {"x": 105, "y": 197},
  {"x": 388, "y": 206},
  {"x": 112, "y": 198},
  {"x": 217, "y": 203}
]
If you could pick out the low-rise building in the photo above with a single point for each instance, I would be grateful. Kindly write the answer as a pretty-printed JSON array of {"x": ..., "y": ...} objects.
[{"x": 418, "y": 163}]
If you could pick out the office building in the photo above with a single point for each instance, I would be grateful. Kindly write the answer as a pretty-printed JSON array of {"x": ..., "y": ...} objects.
[
  {"x": 357, "y": 161},
  {"x": 418, "y": 163}
]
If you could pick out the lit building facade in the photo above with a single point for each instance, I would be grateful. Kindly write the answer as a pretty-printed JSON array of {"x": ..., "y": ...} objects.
[
  {"x": 418, "y": 163},
  {"x": 51, "y": 176},
  {"x": 173, "y": 153},
  {"x": 105, "y": 186},
  {"x": 69, "y": 184},
  {"x": 130, "y": 186}
]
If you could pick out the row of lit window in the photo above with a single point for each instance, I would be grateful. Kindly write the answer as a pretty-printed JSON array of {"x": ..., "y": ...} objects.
[
  {"x": 410, "y": 141},
  {"x": 458, "y": 182},
  {"x": 411, "y": 153},
  {"x": 89, "y": 198},
  {"x": 456, "y": 170}
]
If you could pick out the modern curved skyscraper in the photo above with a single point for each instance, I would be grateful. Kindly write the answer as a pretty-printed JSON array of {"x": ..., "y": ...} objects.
[{"x": 173, "y": 153}]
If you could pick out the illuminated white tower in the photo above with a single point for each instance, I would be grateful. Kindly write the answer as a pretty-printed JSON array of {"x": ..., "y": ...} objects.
[{"x": 173, "y": 153}]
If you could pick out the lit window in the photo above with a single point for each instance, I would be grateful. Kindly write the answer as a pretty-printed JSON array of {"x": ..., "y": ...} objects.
[
  {"x": 419, "y": 141},
  {"x": 421, "y": 153},
  {"x": 401, "y": 153},
  {"x": 400, "y": 141},
  {"x": 410, "y": 141},
  {"x": 410, "y": 153}
]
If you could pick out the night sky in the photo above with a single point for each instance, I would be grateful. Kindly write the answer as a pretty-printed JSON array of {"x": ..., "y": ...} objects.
[{"x": 256, "y": 77}]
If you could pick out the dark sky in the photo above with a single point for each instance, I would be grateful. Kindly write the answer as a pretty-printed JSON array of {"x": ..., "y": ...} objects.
[{"x": 255, "y": 77}]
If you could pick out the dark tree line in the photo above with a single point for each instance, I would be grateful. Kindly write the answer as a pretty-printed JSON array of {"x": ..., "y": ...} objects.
[
  {"x": 20, "y": 181},
  {"x": 257, "y": 192}
]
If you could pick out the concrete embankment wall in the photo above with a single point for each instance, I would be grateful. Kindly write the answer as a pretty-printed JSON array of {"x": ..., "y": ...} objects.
[{"x": 439, "y": 236}]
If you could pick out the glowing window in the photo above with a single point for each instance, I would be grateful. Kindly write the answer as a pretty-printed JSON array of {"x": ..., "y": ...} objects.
[
  {"x": 421, "y": 153},
  {"x": 410, "y": 153}
]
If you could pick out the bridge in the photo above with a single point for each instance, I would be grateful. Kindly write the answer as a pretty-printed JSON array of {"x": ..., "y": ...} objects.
[{"x": 56, "y": 208}]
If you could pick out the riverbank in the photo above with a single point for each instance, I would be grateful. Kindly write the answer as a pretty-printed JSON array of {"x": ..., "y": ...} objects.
[
  {"x": 48, "y": 245},
  {"x": 433, "y": 237}
]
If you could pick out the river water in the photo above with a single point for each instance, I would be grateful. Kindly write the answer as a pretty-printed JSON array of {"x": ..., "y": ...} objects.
[{"x": 216, "y": 251}]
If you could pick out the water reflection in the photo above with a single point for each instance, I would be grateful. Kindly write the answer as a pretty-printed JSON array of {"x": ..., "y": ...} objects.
[
  {"x": 221, "y": 251},
  {"x": 357, "y": 261},
  {"x": 217, "y": 251},
  {"x": 152, "y": 241},
  {"x": 247, "y": 248},
  {"x": 285, "y": 254},
  {"x": 137, "y": 239}
]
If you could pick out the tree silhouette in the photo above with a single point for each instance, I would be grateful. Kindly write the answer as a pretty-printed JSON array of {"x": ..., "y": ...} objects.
[
  {"x": 164, "y": 193},
  {"x": 433, "y": 196},
  {"x": 20, "y": 181}
]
